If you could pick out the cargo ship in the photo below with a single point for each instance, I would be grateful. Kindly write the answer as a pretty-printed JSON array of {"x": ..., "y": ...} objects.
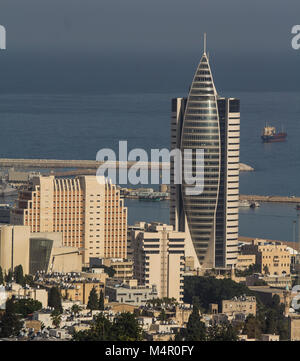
[{"x": 270, "y": 135}]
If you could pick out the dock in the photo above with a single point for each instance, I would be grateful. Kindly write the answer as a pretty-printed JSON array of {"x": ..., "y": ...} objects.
[{"x": 270, "y": 199}]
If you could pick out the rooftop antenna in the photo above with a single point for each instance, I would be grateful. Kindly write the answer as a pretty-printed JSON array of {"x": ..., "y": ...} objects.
[{"x": 204, "y": 43}]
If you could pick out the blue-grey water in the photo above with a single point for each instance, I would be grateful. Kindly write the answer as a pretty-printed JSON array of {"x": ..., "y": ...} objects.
[{"x": 74, "y": 126}]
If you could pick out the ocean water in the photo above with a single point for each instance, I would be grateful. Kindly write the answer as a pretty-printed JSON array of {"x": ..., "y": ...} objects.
[{"x": 75, "y": 126}]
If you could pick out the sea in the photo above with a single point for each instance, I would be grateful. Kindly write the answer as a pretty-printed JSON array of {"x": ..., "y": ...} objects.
[{"x": 76, "y": 126}]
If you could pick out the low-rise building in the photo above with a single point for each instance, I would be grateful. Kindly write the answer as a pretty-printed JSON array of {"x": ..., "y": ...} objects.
[
  {"x": 242, "y": 304},
  {"x": 130, "y": 293},
  {"x": 244, "y": 261},
  {"x": 269, "y": 337},
  {"x": 270, "y": 280},
  {"x": 73, "y": 286},
  {"x": 273, "y": 258},
  {"x": 294, "y": 327},
  {"x": 20, "y": 292}
]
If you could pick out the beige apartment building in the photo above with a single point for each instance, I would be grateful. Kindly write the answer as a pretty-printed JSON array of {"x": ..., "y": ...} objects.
[
  {"x": 90, "y": 215},
  {"x": 123, "y": 268},
  {"x": 245, "y": 260},
  {"x": 273, "y": 257},
  {"x": 80, "y": 291},
  {"x": 159, "y": 253}
]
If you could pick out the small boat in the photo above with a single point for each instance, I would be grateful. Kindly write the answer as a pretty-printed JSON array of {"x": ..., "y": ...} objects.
[
  {"x": 269, "y": 135},
  {"x": 298, "y": 207},
  {"x": 254, "y": 204},
  {"x": 249, "y": 204},
  {"x": 244, "y": 203}
]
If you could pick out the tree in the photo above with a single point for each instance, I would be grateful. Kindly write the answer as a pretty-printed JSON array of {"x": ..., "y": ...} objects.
[
  {"x": 76, "y": 309},
  {"x": 252, "y": 327},
  {"x": 126, "y": 328},
  {"x": 271, "y": 321},
  {"x": 28, "y": 280},
  {"x": 54, "y": 299},
  {"x": 9, "y": 276},
  {"x": 266, "y": 269},
  {"x": 93, "y": 300},
  {"x": 101, "y": 301},
  {"x": 212, "y": 290},
  {"x": 162, "y": 316},
  {"x": 222, "y": 332},
  {"x": 10, "y": 324},
  {"x": 24, "y": 307},
  {"x": 272, "y": 318},
  {"x": 1, "y": 276},
  {"x": 19, "y": 275},
  {"x": 253, "y": 268},
  {"x": 100, "y": 330},
  {"x": 195, "y": 329},
  {"x": 56, "y": 318}
]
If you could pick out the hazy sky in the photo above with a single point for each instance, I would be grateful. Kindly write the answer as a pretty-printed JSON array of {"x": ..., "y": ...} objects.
[{"x": 66, "y": 45}]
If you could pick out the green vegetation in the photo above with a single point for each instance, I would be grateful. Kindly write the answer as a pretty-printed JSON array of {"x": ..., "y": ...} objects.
[
  {"x": 19, "y": 275},
  {"x": 197, "y": 331},
  {"x": 222, "y": 332},
  {"x": 101, "y": 301},
  {"x": 25, "y": 307},
  {"x": 253, "y": 268},
  {"x": 54, "y": 299},
  {"x": 124, "y": 328},
  {"x": 10, "y": 323},
  {"x": 271, "y": 318},
  {"x": 1, "y": 276},
  {"x": 8, "y": 276},
  {"x": 56, "y": 318},
  {"x": 212, "y": 290},
  {"x": 162, "y": 316},
  {"x": 158, "y": 303},
  {"x": 76, "y": 309},
  {"x": 93, "y": 303}
]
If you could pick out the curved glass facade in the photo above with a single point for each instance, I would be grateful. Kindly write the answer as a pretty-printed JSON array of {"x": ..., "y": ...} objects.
[{"x": 201, "y": 130}]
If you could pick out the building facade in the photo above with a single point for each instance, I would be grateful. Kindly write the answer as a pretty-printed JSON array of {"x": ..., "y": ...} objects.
[
  {"x": 273, "y": 258},
  {"x": 210, "y": 219},
  {"x": 14, "y": 247},
  {"x": 36, "y": 251},
  {"x": 130, "y": 293},
  {"x": 158, "y": 254},
  {"x": 90, "y": 216},
  {"x": 242, "y": 304}
]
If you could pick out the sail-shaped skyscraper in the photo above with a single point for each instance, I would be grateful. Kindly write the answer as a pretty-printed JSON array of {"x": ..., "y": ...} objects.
[{"x": 206, "y": 121}]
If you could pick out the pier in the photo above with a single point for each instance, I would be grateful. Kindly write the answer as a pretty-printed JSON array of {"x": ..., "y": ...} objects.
[
  {"x": 272, "y": 199},
  {"x": 89, "y": 165}
]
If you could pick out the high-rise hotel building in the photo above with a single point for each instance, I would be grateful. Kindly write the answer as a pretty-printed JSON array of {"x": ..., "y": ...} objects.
[
  {"x": 90, "y": 216},
  {"x": 207, "y": 121}
]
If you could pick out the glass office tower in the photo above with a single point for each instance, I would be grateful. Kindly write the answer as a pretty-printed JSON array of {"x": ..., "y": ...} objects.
[{"x": 210, "y": 219}]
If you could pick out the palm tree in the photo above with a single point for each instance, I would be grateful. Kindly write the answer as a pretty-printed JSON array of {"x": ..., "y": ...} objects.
[{"x": 56, "y": 319}]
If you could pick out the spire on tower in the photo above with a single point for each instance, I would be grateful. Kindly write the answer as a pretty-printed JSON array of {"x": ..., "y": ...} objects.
[{"x": 204, "y": 47}]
